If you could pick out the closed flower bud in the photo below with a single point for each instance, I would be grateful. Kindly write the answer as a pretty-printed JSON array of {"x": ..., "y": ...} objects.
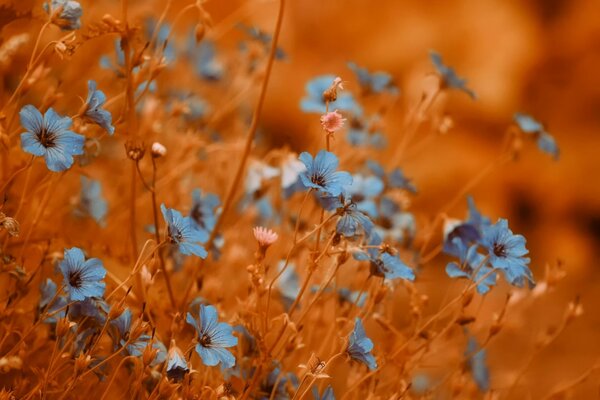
[
  {"x": 158, "y": 150},
  {"x": 149, "y": 354},
  {"x": 135, "y": 151},
  {"x": 81, "y": 363},
  {"x": 63, "y": 326},
  {"x": 111, "y": 21}
]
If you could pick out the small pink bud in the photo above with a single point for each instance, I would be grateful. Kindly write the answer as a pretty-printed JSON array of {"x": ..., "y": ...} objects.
[{"x": 332, "y": 121}]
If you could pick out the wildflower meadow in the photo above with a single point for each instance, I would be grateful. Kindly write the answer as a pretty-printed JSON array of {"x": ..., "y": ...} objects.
[{"x": 290, "y": 199}]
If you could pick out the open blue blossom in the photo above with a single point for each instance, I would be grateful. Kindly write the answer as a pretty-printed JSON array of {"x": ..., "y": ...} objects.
[
  {"x": 477, "y": 362},
  {"x": 393, "y": 223},
  {"x": 94, "y": 111},
  {"x": 138, "y": 347},
  {"x": 360, "y": 346},
  {"x": 506, "y": 252},
  {"x": 82, "y": 278},
  {"x": 321, "y": 173},
  {"x": 177, "y": 365},
  {"x": 65, "y": 13},
  {"x": 393, "y": 179},
  {"x": 364, "y": 132},
  {"x": 91, "y": 202},
  {"x": 352, "y": 221},
  {"x": 474, "y": 266},
  {"x": 373, "y": 82},
  {"x": 327, "y": 393},
  {"x": 382, "y": 263},
  {"x": 213, "y": 338},
  {"x": 364, "y": 191},
  {"x": 314, "y": 103},
  {"x": 449, "y": 77},
  {"x": 49, "y": 136},
  {"x": 545, "y": 141},
  {"x": 183, "y": 233},
  {"x": 469, "y": 231}
]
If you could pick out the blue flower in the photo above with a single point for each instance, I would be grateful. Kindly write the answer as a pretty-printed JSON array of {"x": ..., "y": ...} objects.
[
  {"x": 394, "y": 179},
  {"x": 327, "y": 393},
  {"x": 352, "y": 221},
  {"x": 82, "y": 278},
  {"x": 94, "y": 111},
  {"x": 51, "y": 303},
  {"x": 506, "y": 252},
  {"x": 162, "y": 36},
  {"x": 362, "y": 133},
  {"x": 477, "y": 363},
  {"x": 360, "y": 346},
  {"x": 382, "y": 263},
  {"x": 351, "y": 296},
  {"x": 276, "y": 385},
  {"x": 321, "y": 173},
  {"x": 474, "y": 267},
  {"x": 545, "y": 141},
  {"x": 49, "y": 136},
  {"x": 262, "y": 37},
  {"x": 213, "y": 338},
  {"x": 364, "y": 190},
  {"x": 183, "y": 234},
  {"x": 314, "y": 103},
  {"x": 288, "y": 283},
  {"x": 136, "y": 349},
  {"x": 203, "y": 210},
  {"x": 203, "y": 56},
  {"x": 68, "y": 13},
  {"x": 118, "y": 68},
  {"x": 469, "y": 231},
  {"x": 449, "y": 77},
  {"x": 91, "y": 202},
  {"x": 177, "y": 365},
  {"x": 373, "y": 82}
]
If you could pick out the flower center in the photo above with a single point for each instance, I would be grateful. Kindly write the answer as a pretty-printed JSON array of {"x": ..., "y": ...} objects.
[
  {"x": 499, "y": 249},
  {"x": 75, "y": 279},
  {"x": 175, "y": 236},
  {"x": 205, "y": 340},
  {"x": 318, "y": 180},
  {"x": 47, "y": 138}
]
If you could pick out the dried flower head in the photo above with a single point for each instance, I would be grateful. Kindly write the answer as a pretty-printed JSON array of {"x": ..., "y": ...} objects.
[
  {"x": 330, "y": 94},
  {"x": 332, "y": 121},
  {"x": 10, "y": 224},
  {"x": 135, "y": 151},
  {"x": 264, "y": 236}
]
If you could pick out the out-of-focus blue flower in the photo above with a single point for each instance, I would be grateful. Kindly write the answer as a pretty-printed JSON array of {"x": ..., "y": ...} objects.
[
  {"x": 477, "y": 363},
  {"x": 51, "y": 303},
  {"x": 65, "y": 13},
  {"x": 91, "y": 202},
  {"x": 352, "y": 296},
  {"x": 82, "y": 278},
  {"x": 203, "y": 210},
  {"x": 469, "y": 231},
  {"x": 327, "y": 393},
  {"x": 321, "y": 173},
  {"x": 506, "y": 252},
  {"x": 474, "y": 265},
  {"x": 283, "y": 380},
  {"x": 213, "y": 338},
  {"x": 137, "y": 348},
  {"x": 394, "y": 179},
  {"x": 190, "y": 106},
  {"x": 545, "y": 141},
  {"x": 288, "y": 283},
  {"x": 449, "y": 77},
  {"x": 177, "y": 365},
  {"x": 360, "y": 133},
  {"x": 291, "y": 168},
  {"x": 373, "y": 82},
  {"x": 262, "y": 37},
  {"x": 203, "y": 56},
  {"x": 314, "y": 103},
  {"x": 183, "y": 234},
  {"x": 162, "y": 36},
  {"x": 94, "y": 112},
  {"x": 92, "y": 310},
  {"x": 384, "y": 264},
  {"x": 49, "y": 136},
  {"x": 420, "y": 383},
  {"x": 118, "y": 67},
  {"x": 360, "y": 346},
  {"x": 364, "y": 190}
]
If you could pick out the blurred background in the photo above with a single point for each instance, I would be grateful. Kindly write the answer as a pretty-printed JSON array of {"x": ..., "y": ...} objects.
[{"x": 539, "y": 57}]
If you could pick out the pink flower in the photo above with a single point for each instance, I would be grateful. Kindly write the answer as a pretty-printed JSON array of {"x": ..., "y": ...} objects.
[
  {"x": 332, "y": 121},
  {"x": 264, "y": 236}
]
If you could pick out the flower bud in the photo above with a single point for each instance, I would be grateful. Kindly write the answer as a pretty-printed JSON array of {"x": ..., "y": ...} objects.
[{"x": 158, "y": 150}]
